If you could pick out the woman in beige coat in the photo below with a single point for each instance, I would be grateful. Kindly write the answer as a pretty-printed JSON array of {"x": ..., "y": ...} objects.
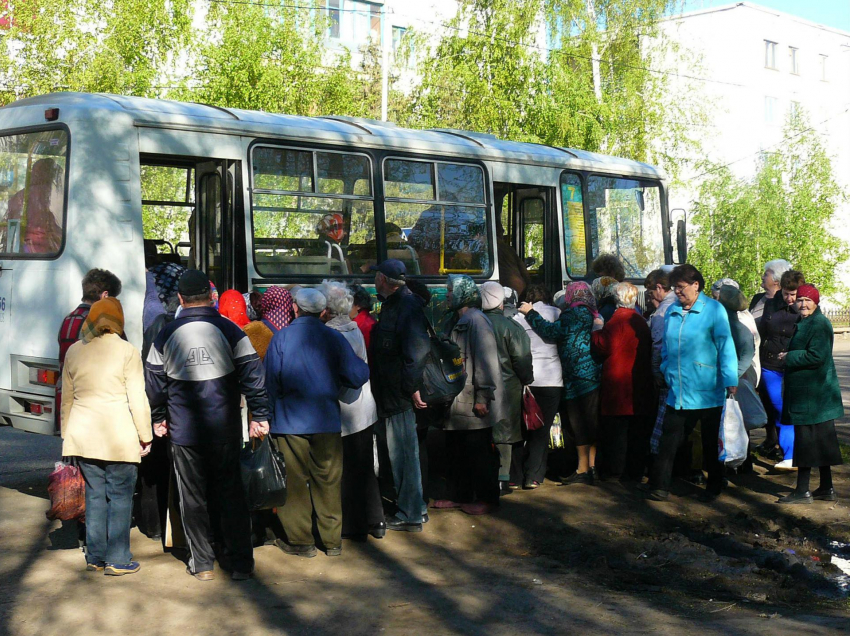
[{"x": 106, "y": 423}]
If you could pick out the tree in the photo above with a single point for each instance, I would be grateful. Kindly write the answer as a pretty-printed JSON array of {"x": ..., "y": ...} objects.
[{"x": 785, "y": 211}]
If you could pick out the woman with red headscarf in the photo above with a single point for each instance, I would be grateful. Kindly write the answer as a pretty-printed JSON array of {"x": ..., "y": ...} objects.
[
  {"x": 232, "y": 306},
  {"x": 278, "y": 312}
]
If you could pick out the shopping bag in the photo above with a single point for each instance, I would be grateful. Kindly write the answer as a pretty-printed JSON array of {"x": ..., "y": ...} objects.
[
  {"x": 532, "y": 415},
  {"x": 263, "y": 475},
  {"x": 556, "y": 437},
  {"x": 67, "y": 490},
  {"x": 733, "y": 440}
]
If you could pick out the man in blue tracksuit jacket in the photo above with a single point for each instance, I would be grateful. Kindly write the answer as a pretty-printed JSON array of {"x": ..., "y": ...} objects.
[
  {"x": 196, "y": 370},
  {"x": 307, "y": 365},
  {"x": 700, "y": 368}
]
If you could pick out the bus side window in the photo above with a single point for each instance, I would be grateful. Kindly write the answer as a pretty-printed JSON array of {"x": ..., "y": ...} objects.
[{"x": 532, "y": 235}]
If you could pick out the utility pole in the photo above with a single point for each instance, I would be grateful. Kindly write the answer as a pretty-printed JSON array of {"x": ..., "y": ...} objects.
[{"x": 385, "y": 64}]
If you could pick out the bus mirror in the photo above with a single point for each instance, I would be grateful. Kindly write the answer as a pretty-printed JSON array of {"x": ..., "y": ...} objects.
[{"x": 682, "y": 241}]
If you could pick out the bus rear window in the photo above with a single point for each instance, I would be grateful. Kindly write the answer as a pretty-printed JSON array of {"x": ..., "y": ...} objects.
[{"x": 32, "y": 193}]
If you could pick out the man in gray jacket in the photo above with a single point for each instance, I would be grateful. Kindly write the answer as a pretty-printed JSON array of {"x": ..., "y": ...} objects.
[{"x": 473, "y": 465}]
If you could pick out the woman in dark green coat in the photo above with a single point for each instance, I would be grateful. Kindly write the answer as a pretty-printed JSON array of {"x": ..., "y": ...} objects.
[{"x": 812, "y": 399}]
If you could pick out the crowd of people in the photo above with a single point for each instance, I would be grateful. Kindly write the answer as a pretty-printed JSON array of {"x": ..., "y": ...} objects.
[{"x": 637, "y": 392}]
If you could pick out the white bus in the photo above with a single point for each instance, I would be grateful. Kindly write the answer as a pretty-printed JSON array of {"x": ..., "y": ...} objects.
[{"x": 95, "y": 180}]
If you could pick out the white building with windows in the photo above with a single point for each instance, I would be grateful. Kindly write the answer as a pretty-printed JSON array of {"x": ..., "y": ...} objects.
[{"x": 759, "y": 64}]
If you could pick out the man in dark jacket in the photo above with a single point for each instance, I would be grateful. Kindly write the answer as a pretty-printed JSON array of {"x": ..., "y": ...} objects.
[
  {"x": 195, "y": 372},
  {"x": 307, "y": 365},
  {"x": 400, "y": 345}
]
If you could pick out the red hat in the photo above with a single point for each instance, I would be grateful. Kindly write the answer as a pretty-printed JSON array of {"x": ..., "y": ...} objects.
[{"x": 809, "y": 291}]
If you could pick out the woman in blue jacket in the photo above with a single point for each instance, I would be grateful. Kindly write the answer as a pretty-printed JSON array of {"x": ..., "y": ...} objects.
[{"x": 700, "y": 368}]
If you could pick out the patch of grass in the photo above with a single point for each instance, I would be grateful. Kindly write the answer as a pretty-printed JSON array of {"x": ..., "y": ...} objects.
[{"x": 845, "y": 452}]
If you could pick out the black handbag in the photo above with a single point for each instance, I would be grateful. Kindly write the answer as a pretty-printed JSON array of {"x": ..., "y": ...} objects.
[{"x": 444, "y": 376}]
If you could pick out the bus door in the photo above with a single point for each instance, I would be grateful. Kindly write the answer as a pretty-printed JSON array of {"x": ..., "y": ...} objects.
[
  {"x": 536, "y": 234},
  {"x": 218, "y": 224}
]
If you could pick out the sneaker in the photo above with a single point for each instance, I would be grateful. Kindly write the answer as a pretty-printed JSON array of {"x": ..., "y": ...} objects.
[
  {"x": 796, "y": 498},
  {"x": 394, "y": 523},
  {"x": 785, "y": 464},
  {"x": 306, "y": 551},
  {"x": 120, "y": 569},
  {"x": 95, "y": 567},
  {"x": 578, "y": 478},
  {"x": 531, "y": 485},
  {"x": 513, "y": 486},
  {"x": 824, "y": 494}
]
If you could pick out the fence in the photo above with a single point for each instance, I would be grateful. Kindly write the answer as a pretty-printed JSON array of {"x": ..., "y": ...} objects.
[{"x": 838, "y": 317}]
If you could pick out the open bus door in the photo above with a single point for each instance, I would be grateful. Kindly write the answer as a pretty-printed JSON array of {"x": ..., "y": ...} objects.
[{"x": 219, "y": 237}]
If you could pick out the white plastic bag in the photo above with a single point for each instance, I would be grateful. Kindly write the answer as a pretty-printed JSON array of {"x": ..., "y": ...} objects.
[{"x": 733, "y": 441}]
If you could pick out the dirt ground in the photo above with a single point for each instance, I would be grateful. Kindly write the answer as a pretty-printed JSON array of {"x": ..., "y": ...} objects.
[{"x": 558, "y": 560}]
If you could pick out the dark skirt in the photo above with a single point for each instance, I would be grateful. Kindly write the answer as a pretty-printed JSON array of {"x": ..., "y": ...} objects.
[{"x": 816, "y": 445}]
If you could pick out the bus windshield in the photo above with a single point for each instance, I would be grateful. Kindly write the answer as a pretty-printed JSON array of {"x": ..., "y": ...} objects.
[
  {"x": 625, "y": 220},
  {"x": 32, "y": 192}
]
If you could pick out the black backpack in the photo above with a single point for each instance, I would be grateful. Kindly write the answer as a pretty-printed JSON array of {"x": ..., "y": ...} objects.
[{"x": 444, "y": 376}]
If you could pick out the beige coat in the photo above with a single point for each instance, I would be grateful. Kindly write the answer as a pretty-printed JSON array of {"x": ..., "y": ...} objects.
[{"x": 105, "y": 412}]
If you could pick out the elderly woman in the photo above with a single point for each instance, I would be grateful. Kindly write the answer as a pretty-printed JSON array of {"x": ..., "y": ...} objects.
[
  {"x": 580, "y": 371},
  {"x": 770, "y": 283},
  {"x": 106, "y": 422},
  {"x": 603, "y": 292},
  {"x": 777, "y": 325},
  {"x": 812, "y": 399},
  {"x": 472, "y": 471},
  {"x": 700, "y": 367},
  {"x": 547, "y": 388},
  {"x": 361, "y": 314},
  {"x": 362, "y": 511},
  {"x": 624, "y": 346},
  {"x": 232, "y": 306},
  {"x": 277, "y": 311}
]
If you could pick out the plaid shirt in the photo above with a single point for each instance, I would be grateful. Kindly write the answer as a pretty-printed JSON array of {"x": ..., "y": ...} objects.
[{"x": 69, "y": 333}]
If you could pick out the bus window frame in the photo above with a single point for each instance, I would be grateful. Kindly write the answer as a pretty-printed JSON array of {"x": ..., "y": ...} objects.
[
  {"x": 487, "y": 206},
  {"x": 11, "y": 132},
  {"x": 287, "y": 144},
  {"x": 584, "y": 176}
]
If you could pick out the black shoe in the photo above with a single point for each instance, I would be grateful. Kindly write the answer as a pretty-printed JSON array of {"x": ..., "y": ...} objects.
[
  {"x": 709, "y": 495},
  {"x": 504, "y": 489},
  {"x": 425, "y": 517},
  {"x": 773, "y": 453},
  {"x": 594, "y": 473},
  {"x": 378, "y": 530},
  {"x": 697, "y": 478},
  {"x": 824, "y": 494},
  {"x": 657, "y": 494},
  {"x": 796, "y": 498},
  {"x": 306, "y": 551},
  {"x": 394, "y": 523},
  {"x": 578, "y": 478}
]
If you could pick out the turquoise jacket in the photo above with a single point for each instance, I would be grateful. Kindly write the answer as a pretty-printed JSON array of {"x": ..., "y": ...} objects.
[{"x": 698, "y": 357}]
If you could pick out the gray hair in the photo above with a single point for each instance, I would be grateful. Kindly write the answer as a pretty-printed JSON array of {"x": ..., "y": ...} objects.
[
  {"x": 559, "y": 301},
  {"x": 392, "y": 282},
  {"x": 626, "y": 295},
  {"x": 340, "y": 298},
  {"x": 777, "y": 267},
  {"x": 724, "y": 281}
]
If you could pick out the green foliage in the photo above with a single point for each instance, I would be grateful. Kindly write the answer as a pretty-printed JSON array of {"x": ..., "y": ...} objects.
[{"x": 785, "y": 211}]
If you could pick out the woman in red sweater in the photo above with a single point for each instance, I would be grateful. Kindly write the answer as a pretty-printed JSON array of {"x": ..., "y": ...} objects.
[{"x": 624, "y": 346}]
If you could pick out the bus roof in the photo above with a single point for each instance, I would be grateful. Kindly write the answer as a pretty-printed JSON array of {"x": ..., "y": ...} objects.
[{"x": 335, "y": 130}]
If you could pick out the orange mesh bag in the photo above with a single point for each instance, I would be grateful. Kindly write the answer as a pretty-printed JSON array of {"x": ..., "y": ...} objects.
[{"x": 67, "y": 490}]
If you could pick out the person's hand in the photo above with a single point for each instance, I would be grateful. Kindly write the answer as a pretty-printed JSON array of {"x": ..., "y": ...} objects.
[
  {"x": 524, "y": 308},
  {"x": 598, "y": 323},
  {"x": 145, "y": 448},
  {"x": 481, "y": 410},
  {"x": 731, "y": 390},
  {"x": 782, "y": 355},
  {"x": 258, "y": 429},
  {"x": 417, "y": 401},
  {"x": 160, "y": 429}
]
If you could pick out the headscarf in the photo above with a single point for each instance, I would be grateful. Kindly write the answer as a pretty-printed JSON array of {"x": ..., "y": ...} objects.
[
  {"x": 166, "y": 276},
  {"x": 492, "y": 295},
  {"x": 579, "y": 294},
  {"x": 732, "y": 300},
  {"x": 465, "y": 292},
  {"x": 715, "y": 288},
  {"x": 231, "y": 305},
  {"x": 105, "y": 316},
  {"x": 249, "y": 308},
  {"x": 809, "y": 291},
  {"x": 277, "y": 308},
  {"x": 603, "y": 288}
]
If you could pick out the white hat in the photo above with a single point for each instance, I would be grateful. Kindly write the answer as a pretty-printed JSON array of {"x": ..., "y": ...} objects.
[
  {"x": 310, "y": 300},
  {"x": 492, "y": 295}
]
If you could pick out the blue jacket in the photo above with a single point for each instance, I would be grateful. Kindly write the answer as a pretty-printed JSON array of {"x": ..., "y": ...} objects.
[
  {"x": 307, "y": 365},
  {"x": 698, "y": 357},
  {"x": 195, "y": 372}
]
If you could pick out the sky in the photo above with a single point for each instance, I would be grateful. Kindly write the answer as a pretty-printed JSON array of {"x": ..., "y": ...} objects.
[{"x": 833, "y": 13}]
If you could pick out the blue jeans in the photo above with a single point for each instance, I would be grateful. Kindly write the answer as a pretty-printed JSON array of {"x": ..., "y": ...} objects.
[
  {"x": 109, "y": 510},
  {"x": 773, "y": 384},
  {"x": 403, "y": 448}
]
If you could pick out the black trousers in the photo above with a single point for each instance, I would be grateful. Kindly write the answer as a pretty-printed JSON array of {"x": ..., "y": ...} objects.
[
  {"x": 529, "y": 464},
  {"x": 678, "y": 425},
  {"x": 624, "y": 445},
  {"x": 212, "y": 470},
  {"x": 472, "y": 473},
  {"x": 361, "y": 497},
  {"x": 151, "y": 502}
]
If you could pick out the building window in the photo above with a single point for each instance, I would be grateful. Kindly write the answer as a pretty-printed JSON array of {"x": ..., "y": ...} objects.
[
  {"x": 398, "y": 37},
  {"x": 375, "y": 23},
  {"x": 771, "y": 107},
  {"x": 769, "y": 54},
  {"x": 793, "y": 58},
  {"x": 794, "y": 109},
  {"x": 333, "y": 15},
  {"x": 823, "y": 77}
]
